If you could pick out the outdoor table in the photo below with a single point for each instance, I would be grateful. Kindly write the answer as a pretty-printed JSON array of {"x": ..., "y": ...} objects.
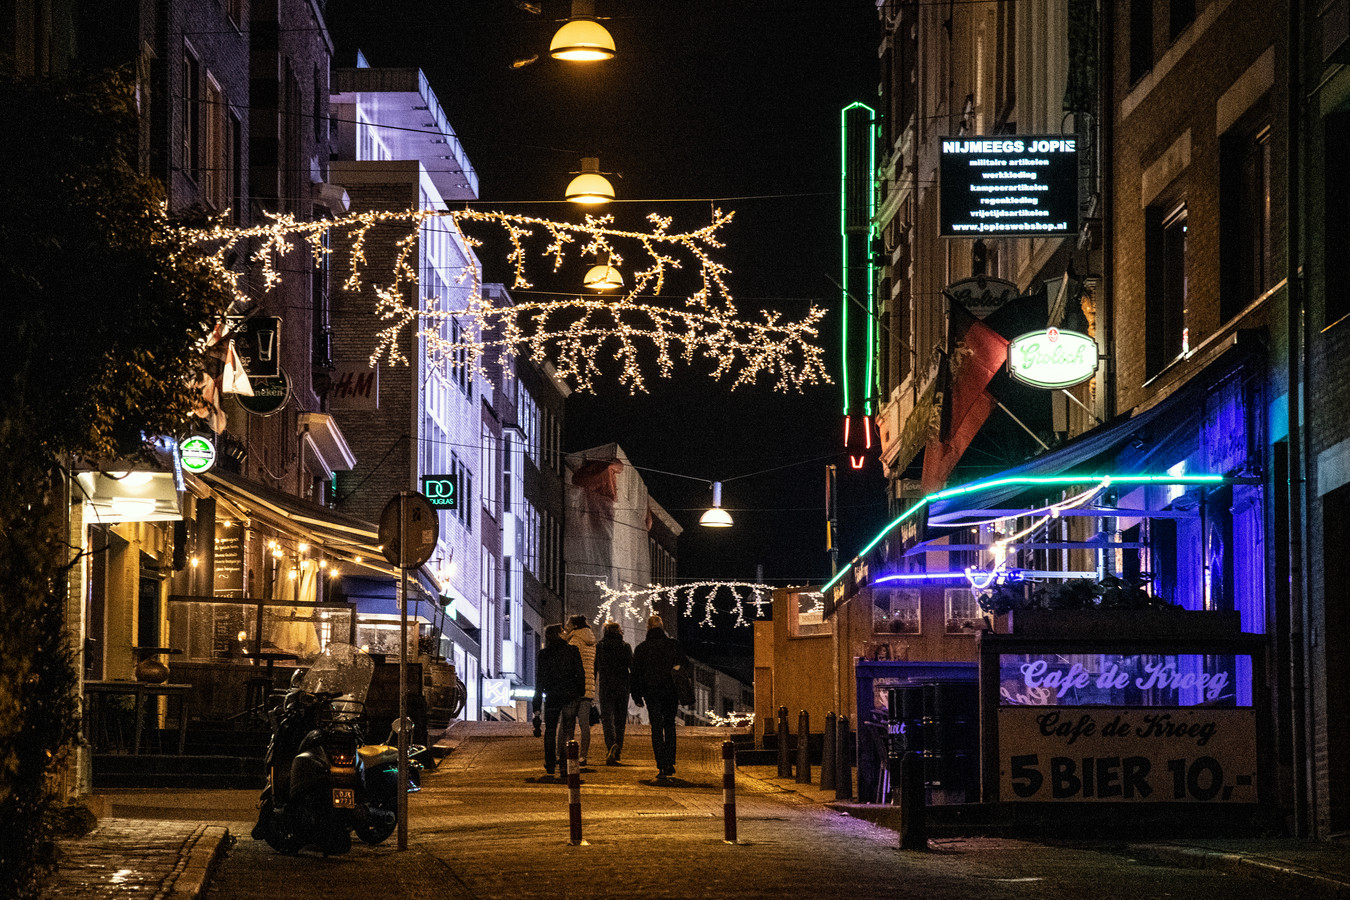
[{"x": 97, "y": 691}]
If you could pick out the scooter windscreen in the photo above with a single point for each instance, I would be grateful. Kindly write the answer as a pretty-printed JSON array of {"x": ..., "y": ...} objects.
[{"x": 340, "y": 669}]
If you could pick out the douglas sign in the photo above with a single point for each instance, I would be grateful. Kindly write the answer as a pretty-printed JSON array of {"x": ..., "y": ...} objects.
[{"x": 1052, "y": 358}]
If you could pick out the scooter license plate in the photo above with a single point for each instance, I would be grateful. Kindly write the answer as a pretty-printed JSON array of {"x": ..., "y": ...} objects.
[{"x": 344, "y": 798}]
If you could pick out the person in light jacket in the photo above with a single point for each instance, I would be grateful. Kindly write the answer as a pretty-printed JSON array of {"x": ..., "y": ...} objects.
[
  {"x": 655, "y": 661},
  {"x": 613, "y": 665},
  {"x": 578, "y": 633},
  {"x": 560, "y": 680}
]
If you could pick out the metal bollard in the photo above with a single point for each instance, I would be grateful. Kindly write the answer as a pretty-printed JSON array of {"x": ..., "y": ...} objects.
[
  {"x": 784, "y": 761},
  {"x": 843, "y": 785},
  {"x": 827, "y": 749},
  {"x": 574, "y": 790},
  {"x": 729, "y": 792},
  {"x": 804, "y": 747},
  {"x": 913, "y": 807}
]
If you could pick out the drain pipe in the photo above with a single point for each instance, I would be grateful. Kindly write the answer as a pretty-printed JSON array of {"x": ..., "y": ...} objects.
[{"x": 1299, "y": 644}]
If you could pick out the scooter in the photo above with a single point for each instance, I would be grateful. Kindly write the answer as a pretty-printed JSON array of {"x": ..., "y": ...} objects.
[{"x": 323, "y": 781}]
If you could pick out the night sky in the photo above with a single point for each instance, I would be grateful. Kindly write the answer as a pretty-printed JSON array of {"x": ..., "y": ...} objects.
[{"x": 726, "y": 103}]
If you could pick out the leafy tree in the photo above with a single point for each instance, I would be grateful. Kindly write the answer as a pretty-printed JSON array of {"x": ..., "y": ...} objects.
[{"x": 103, "y": 318}]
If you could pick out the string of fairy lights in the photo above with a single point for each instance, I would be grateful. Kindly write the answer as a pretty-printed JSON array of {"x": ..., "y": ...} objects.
[
  {"x": 719, "y": 597},
  {"x": 576, "y": 333}
]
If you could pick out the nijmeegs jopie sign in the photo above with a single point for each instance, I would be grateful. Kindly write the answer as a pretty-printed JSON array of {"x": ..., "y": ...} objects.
[{"x": 1008, "y": 186}]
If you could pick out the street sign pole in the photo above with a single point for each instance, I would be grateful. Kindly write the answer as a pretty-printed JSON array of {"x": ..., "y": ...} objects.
[
  {"x": 403, "y": 672},
  {"x": 409, "y": 530}
]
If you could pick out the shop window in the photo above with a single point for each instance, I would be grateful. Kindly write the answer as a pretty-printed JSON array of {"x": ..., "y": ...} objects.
[
  {"x": 1244, "y": 217},
  {"x": 1167, "y": 337},
  {"x": 896, "y": 611},
  {"x": 963, "y": 613}
]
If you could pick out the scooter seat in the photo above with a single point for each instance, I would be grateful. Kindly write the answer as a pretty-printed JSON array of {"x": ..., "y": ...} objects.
[{"x": 378, "y": 754}]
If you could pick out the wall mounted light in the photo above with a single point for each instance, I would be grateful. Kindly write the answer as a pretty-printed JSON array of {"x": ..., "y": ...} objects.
[
  {"x": 582, "y": 38},
  {"x": 589, "y": 186}
]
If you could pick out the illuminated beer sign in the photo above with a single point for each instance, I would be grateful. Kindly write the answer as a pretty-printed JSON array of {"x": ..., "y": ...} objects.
[
  {"x": 1008, "y": 186},
  {"x": 1052, "y": 358},
  {"x": 198, "y": 454}
]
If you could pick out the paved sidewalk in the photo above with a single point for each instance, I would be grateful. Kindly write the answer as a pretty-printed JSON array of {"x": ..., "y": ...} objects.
[
  {"x": 124, "y": 857},
  {"x": 164, "y": 845},
  {"x": 1306, "y": 868}
]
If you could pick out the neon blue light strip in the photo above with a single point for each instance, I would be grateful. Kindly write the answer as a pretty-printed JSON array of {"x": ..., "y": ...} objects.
[
  {"x": 922, "y": 577},
  {"x": 977, "y": 486}
]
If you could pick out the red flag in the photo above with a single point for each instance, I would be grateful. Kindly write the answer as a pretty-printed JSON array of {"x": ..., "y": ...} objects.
[{"x": 975, "y": 353}]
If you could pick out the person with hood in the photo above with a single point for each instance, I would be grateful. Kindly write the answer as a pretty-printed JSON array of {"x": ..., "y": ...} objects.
[
  {"x": 613, "y": 665},
  {"x": 559, "y": 682},
  {"x": 655, "y": 662},
  {"x": 578, "y": 633}
]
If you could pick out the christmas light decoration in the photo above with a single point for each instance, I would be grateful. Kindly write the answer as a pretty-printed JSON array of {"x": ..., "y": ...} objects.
[
  {"x": 731, "y": 720},
  {"x": 576, "y": 333},
  {"x": 640, "y": 602}
]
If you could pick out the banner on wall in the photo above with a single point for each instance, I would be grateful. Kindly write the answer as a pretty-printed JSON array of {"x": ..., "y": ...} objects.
[{"x": 1127, "y": 754}]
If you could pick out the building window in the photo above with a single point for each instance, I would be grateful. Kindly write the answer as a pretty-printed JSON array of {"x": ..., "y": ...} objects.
[
  {"x": 1244, "y": 218},
  {"x": 1336, "y": 215},
  {"x": 810, "y": 618},
  {"x": 488, "y": 454},
  {"x": 234, "y": 168},
  {"x": 215, "y": 171},
  {"x": 963, "y": 615},
  {"x": 1180, "y": 13},
  {"x": 235, "y": 10},
  {"x": 896, "y": 611},
  {"x": 1167, "y": 337},
  {"x": 1141, "y": 39},
  {"x": 189, "y": 119}
]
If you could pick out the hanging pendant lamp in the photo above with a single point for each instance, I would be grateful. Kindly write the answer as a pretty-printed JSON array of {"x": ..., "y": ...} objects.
[
  {"x": 602, "y": 276},
  {"x": 716, "y": 517},
  {"x": 589, "y": 187},
  {"x": 582, "y": 38}
]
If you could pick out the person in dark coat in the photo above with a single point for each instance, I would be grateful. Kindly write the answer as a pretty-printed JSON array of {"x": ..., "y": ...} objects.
[
  {"x": 655, "y": 662},
  {"x": 613, "y": 665},
  {"x": 560, "y": 680}
]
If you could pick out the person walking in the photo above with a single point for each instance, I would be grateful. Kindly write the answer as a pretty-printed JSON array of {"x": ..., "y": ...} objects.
[
  {"x": 655, "y": 662},
  {"x": 559, "y": 682},
  {"x": 578, "y": 633},
  {"x": 613, "y": 667}
]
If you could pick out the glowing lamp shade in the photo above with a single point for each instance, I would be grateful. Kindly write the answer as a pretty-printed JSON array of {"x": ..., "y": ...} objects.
[
  {"x": 589, "y": 187},
  {"x": 582, "y": 39},
  {"x": 602, "y": 277},
  {"x": 716, "y": 517}
]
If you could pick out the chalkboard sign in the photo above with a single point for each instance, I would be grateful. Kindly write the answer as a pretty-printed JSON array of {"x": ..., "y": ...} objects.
[{"x": 229, "y": 576}]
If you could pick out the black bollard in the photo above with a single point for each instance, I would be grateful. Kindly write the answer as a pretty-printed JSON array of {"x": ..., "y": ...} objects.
[
  {"x": 913, "y": 808},
  {"x": 843, "y": 784},
  {"x": 894, "y": 775},
  {"x": 784, "y": 760},
  {"x": 804, "y": 748},
  {"x": 827, "y": 749}
]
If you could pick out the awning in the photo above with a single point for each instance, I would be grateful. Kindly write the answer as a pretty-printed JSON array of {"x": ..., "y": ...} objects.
[
  {"x": 1136, "y": 448},
  {"x": 1127, "y": 446},
  {"x": 339, "y": 536}
]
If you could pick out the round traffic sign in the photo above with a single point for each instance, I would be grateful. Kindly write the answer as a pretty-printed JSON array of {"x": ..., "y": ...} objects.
[{"x": 410, "y": 513}]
